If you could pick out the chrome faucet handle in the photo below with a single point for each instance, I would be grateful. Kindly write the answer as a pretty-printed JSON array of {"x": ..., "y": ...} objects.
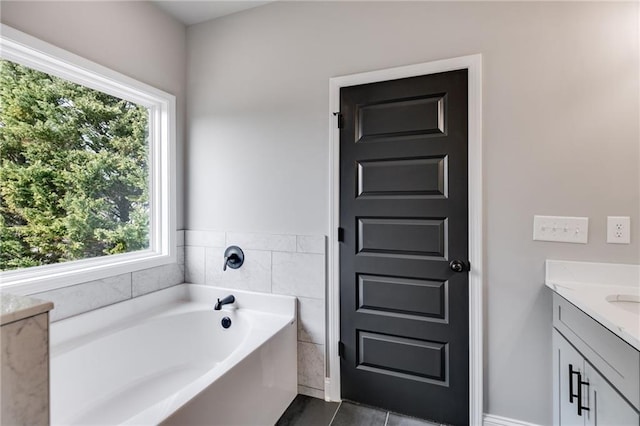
[{"x": 226, "y": 260}]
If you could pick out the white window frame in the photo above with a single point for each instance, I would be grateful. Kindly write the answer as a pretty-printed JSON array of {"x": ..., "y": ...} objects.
[{"x": 29, "y": 51}]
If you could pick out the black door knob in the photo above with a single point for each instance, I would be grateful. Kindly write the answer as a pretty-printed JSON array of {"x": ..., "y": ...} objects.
[{"x": 457, "y": 266}]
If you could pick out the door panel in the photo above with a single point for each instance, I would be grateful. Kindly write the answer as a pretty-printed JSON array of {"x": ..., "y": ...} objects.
[
  {"x": 419, "y": 299},
  {"x": 418, "y": 177},
  {"x": 404, "y": 211},
  {"x": 400, "y": 356},
  {"x": 400, "y": 117},
  {"x": 401, "y": 237}
]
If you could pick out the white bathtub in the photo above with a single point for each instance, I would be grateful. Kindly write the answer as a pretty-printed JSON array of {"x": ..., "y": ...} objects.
[{"x": 165, "y": 358}]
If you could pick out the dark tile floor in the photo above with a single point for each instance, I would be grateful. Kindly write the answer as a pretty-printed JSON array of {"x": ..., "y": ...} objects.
[{"x": 307, "y": 411}]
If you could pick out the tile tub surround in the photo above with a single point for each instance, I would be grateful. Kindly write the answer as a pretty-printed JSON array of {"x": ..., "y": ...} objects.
[
  {"x": 589, "y": 285},
  {"x": 87, "y": 296},
  {"x": 293, "y": 265},
  {"x": 24, "y": 366}
]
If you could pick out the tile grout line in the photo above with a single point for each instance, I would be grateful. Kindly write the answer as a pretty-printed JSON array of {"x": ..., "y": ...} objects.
[
  {"x": 335, "y": 414},
  {"x": 204, "y": 265}
]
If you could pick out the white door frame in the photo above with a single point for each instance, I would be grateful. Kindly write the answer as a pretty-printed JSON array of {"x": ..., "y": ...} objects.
[{"x": 473, "y": 64}]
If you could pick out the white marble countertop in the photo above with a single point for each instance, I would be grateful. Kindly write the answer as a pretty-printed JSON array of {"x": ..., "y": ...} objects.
[
  {"x": 14, "y": 308},
  {"x": 597, "y": 289}
]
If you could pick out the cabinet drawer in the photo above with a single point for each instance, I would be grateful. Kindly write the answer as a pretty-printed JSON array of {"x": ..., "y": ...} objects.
[{"x": 612, "y": 356}]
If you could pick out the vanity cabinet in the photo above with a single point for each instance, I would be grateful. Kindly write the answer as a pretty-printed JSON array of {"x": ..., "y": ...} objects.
[
  {"x": 596, "y": 374},
  {"x": 609, "y": 407},
  {"x": 582, "y": 395},
  {"x": 567, "y": 364}
]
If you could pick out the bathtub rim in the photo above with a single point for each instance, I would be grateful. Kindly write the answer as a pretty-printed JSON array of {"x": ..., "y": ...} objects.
[{"x": 120, "y": 315}]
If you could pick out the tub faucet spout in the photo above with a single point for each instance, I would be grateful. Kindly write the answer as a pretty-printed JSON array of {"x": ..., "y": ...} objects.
[{"x": 226, "y": 301}]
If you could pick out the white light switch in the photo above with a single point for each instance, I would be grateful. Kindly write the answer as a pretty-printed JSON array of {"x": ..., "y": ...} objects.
[
  {"x": 561, "y": 229},
  {"x": 618, "y": 229}
]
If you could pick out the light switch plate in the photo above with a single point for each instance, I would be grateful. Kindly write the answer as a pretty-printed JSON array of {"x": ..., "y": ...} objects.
[
  {"x": 562, "y": 229},
  {"x": 618, "y": 229}
]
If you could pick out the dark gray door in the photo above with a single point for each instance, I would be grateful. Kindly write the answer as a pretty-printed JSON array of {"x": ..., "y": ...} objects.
[{"x": 404, "y": 219}]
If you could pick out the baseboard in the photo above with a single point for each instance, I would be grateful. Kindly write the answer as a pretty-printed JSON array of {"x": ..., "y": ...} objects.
[
  {"x": 491, "y": 420},
  {"x": 315, "y": 393}
]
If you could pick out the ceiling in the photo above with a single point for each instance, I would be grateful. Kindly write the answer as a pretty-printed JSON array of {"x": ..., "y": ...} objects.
[
  {"x": 194, "y": 12},
  {"x": 191, "y": 12}
]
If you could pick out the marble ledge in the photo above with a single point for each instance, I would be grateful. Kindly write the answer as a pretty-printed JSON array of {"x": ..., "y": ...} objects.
[{"x": 14, "y": 308}]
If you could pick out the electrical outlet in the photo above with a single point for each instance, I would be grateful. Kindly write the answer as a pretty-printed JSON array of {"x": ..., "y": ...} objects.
[
  {"x": 561, "y": 229},
  {"x": 618, "y": 229}
]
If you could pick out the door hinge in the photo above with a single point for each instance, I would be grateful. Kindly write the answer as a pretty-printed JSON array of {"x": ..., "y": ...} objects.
[
  {"x": 341, "y": 349},
  {"x": 340, "y": 120},
  {"x": 341, "y": 235}
]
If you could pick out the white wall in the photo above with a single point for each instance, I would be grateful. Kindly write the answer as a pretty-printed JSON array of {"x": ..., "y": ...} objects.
[
  {"x": 561, "y": 137},
  {"x": 134, "y": 38}
]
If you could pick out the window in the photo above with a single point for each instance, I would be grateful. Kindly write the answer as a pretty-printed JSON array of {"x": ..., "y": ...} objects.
[
  {"x": 86, "y": 171},
  {"x": 73, "y": 171}
]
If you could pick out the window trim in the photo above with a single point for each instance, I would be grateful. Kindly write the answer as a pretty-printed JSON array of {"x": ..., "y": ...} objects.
[{"x": 29, "y": 51}]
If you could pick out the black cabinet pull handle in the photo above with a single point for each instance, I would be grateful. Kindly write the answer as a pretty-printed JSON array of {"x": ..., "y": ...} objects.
[
  {"x": 580, "y": 383},
  {"x": 571, "y": 394}
]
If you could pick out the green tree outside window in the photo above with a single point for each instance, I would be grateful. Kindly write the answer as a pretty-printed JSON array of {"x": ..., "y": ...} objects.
[{"x": 74, "y": 172}]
